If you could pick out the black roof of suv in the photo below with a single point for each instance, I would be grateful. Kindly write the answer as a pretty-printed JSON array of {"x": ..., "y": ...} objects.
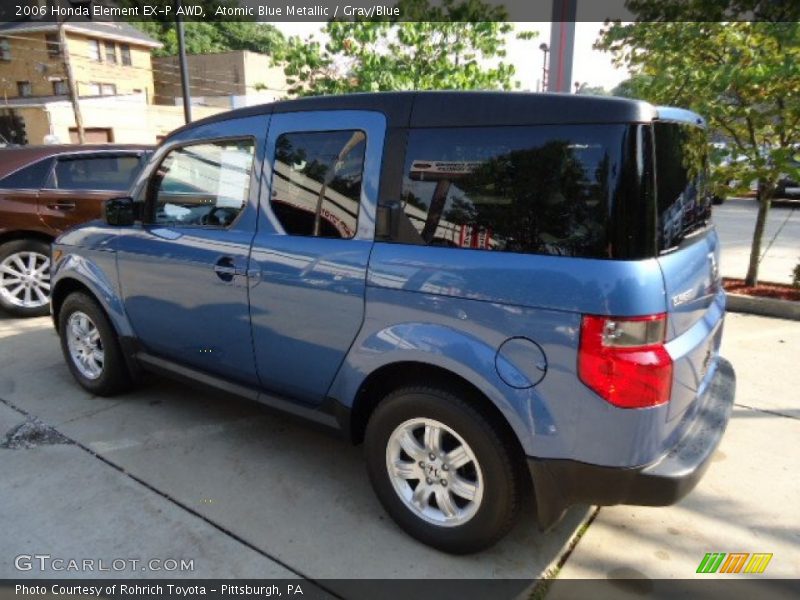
[{"x": 452, "y": 109}]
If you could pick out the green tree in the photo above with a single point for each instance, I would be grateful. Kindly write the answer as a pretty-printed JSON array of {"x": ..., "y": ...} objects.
[
  {"x": 591, "y": 90},
  {"x": 454, "y": 45},
  {"x": 203, "y": 37},
  {"x": 629, "y": 88},
  {"x": 212, "y": 33},
  {"x": 743, "y": 77}
]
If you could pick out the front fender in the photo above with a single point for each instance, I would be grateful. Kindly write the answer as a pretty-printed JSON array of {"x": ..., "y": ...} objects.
[
  {"x": 97, "y": 271},
  {"x": 447, "y": 348}
]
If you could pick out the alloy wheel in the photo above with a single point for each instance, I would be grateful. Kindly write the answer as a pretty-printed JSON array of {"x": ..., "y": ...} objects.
[
  {"x": 434, "y": 472},
  {"x": 85, "y": 346},
  {"x": 25, "y": 279}
]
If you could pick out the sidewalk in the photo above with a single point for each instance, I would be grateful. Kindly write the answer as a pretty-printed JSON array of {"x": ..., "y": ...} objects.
[{"x": 747, "y": 501}]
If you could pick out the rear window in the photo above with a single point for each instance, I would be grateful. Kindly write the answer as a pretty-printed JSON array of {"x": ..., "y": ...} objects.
[
  {"x": 567, "y": 190},
  {"x": 684, "y": 207}
]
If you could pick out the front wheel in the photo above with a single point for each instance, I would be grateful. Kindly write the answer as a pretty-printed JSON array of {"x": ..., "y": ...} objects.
[
  {"x": 90, "y": 346},
  {"x": 444, "y": 471},
  {"x": 25, "y": 278}
]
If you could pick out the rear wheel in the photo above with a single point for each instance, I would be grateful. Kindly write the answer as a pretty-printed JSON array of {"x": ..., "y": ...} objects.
[
  {"x": 442, "y": 470},
  {"x": 25, "y": 278},
  {"x": 90, "y": 346}
]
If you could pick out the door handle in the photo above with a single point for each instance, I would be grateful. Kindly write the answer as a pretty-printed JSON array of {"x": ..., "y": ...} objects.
[
  {"x": 62, "y": 206},
  {"x": 225, "y": 268}
]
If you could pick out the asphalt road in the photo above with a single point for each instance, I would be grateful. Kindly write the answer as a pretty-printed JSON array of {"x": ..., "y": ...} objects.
[{"x": 735, "y": 221}]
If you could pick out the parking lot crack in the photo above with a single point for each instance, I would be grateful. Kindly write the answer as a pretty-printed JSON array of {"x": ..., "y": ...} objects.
[
  {"x": 774, "y": 413},
  {"x": 91, "y": 413}
]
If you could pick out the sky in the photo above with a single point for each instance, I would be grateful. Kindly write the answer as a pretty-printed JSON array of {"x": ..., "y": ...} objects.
[{"x": 589, "y": 66}]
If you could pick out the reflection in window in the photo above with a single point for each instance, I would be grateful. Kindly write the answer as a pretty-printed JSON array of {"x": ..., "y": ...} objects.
[
  {"x": 683, "y": 206},
  {"x": 316, "y": 185},
  {"x": 97, "y": 173},
  {"x": 30, "y": 177},
  {"x": 203, "y": 184},
  {"x": 544, "y": 189}
]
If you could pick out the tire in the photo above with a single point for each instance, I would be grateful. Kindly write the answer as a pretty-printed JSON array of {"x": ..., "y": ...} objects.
[
  {"x": 25, "y": 278},
  {"x": 84, "y": 328},
  {"x": 492, "y": 476}
]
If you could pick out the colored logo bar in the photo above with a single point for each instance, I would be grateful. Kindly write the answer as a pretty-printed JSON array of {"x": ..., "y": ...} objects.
[{"x": 735, "y": 562}]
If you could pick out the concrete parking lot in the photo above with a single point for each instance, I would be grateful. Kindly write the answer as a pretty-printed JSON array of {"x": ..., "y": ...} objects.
[
  {"x": 735, "y": 221},
  {"x": 169, "y": 472}
]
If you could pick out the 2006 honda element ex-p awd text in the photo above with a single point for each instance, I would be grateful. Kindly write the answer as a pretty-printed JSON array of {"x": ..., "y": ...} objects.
[{"x": 494, "y": 292}]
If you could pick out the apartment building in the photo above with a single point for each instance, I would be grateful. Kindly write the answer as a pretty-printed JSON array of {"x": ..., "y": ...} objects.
[
  {"x": 222, "y": 79},
  {"x": 112, "y": 68},
  {"x": 107, "y": 59}
]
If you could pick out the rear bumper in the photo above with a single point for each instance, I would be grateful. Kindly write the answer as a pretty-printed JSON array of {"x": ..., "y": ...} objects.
[{"x": 561, "y": 483}]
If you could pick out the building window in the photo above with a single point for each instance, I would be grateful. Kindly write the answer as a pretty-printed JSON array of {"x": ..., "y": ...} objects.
[
  {"x": 125, "y": 54},
  {"x": 60, "y": 88},
  {"x": 5, "y": 49},
  {"x": 94, "y": 50},
  {"x": 108, "y": 89},
  {"x": 93, "y": 89},
  {"x": 111, "y": 52},
  {"x": 53, "y": 45},
  {"x": 24, "y": 88}
]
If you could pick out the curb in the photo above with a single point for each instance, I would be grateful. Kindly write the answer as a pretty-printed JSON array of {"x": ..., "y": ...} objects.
[{"x": 766, "y": 307}]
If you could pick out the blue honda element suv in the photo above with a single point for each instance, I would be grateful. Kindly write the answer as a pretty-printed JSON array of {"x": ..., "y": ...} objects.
[{"x": 494, "y": 292}]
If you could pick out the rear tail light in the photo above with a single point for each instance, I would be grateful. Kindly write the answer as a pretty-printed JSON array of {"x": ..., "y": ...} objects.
[{"x": 624, "y": 359}]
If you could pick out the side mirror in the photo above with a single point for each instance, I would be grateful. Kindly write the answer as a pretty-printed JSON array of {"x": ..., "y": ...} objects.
[{"x": 120, "y": 212}]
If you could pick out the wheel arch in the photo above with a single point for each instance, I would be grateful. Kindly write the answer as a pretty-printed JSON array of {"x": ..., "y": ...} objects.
[
  {"x": 75, "y": 273},
  {"x": 383, "y": 380},
  {"x": 25, "y": 234},
  {"x": 63, "y": 288}
]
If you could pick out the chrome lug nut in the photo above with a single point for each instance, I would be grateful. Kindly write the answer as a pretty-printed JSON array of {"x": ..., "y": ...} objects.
[
  {"x": 445, "y": 467},
  {"x": 432, "y": 456},
  {"x": 428, "y": 480},
  {"x": 444, "y": 482}
]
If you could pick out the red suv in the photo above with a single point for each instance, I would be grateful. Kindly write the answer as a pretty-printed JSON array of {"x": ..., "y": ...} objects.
[{"x": 43, "y": 191}]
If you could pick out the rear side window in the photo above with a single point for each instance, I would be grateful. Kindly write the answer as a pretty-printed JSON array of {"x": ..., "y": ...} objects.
[
  {"x": 31, "y": 177},
  {"x": 541, "y": 190},
  {"x": 316, "y": 187},
  {"x": 115, "y": 173},
  {"x": 683, "y": 205},
  {"x": 203, "y": 185}
]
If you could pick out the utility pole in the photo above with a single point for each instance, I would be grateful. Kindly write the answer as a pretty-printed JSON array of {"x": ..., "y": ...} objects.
[
  {"x": 562, "y": 45},
  {"x": 187, "y": 98},
  {"x": 545, "y": 49},
  {"x": 71, "y": 86}
]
